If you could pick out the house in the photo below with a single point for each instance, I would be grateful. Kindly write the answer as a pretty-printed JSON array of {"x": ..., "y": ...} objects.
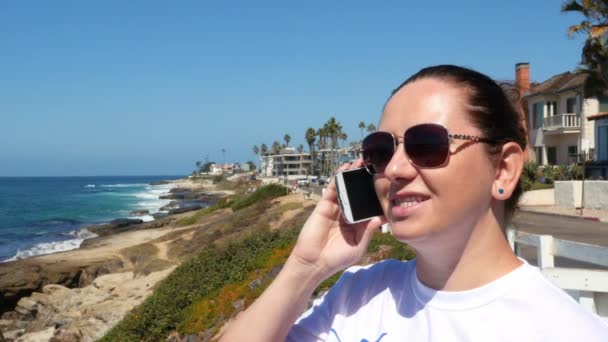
[
  {"x": 558, "y": 132},
  {"x": 287, "y": 163},
  {"x": 599, "y": 167},
  {"x": 218, "y": 169}
]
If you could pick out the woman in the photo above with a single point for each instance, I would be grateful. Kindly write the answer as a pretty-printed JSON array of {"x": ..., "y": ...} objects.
[{"x": 447, "y": 159}]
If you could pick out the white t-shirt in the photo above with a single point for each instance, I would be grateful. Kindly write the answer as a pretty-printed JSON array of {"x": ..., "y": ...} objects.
[{"x": 386, "y": 302}]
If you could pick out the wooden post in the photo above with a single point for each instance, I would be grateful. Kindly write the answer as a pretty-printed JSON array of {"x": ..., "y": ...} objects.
[{"x": 545, "y": 252}]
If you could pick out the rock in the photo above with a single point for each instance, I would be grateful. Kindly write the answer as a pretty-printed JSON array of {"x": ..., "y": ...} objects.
[
  {"x": 22, "y": 311},
  {"x": 160, "y": 182},
  {"x": 173, "y": 337},
  {"x": 59, "y": 322},
  {"x": 10, "y": 316},
  {"x": 185, "y": 209},
  {"x": 67, "y": 335},
  {"x": 159, "y": 215},
  {"x": 115, "y": 226},
  {"x": 42, "y": 335},
  {"x": 140, "y": 212},
  {"x": 13, "y": 334},
  {"x": 255, "y": 284},
  {"x": 22, "y": 324},
  {"x": 28, "y": 304},
  {"x": 239, "y": 304}
]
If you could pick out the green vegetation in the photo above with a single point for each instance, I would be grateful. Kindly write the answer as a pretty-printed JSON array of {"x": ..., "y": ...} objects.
[
  {"x": 196, "y": 279},
  {"x": 265, "y": 192},
  {"x": 240, "y": 258},
  {"x": 236, "y": 202},
  {"x": 536, "y": 177}
]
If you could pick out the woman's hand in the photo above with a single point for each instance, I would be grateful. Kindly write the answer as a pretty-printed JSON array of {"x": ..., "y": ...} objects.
[{"x": 327, "y": 243}]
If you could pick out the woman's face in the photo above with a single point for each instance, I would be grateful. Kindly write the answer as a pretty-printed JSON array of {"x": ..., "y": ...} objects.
[{"x": 431, "y": 205}]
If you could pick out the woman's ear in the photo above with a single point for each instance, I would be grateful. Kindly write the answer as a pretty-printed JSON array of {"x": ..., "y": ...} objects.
[{"x": 508, "y": 170}]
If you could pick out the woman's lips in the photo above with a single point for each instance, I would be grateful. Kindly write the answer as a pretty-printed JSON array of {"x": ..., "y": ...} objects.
[{"x": 404, "y": 207}]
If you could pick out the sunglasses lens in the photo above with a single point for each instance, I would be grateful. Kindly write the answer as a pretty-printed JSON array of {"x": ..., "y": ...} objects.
[
  {"x": 427, "y": 145},
  {"x": 378, "y": 149}
]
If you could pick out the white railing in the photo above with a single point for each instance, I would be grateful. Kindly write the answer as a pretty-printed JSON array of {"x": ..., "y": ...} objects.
[
  {"x": 588, "y": 286},
  {"x": 562, "y": 121}
]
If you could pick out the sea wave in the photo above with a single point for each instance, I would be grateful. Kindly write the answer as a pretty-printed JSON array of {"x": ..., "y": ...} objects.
[
  {"x": 129, "y": 185},
  {"x": 89, "y": 186},
  {"x": 54, "y": 246}
]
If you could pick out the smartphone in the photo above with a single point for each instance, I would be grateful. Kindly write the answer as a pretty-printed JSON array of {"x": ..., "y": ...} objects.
[{"x": 357, "y": 195}]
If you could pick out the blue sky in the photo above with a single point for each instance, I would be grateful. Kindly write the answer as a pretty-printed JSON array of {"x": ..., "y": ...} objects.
[{"x": 150, "y": 87}]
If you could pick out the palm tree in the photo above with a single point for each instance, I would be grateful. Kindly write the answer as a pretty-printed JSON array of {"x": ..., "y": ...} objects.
[
  {"x": 594, "y": 56},
  {"x": 198, "y": 166},
  {"x": 300, "y": 148},
  {"x": 287, "y": 139},
  {"x": 311, "y": 135},
  {"x": 371, "y": 128},
  {"x": 276, "y": 149},
  {"x": 256, "y": 149},
  {"x": 334, "y": 129},
  {"x": 362, "y": 127},
  {"x": 322, "y": 145},
  {"x": 343, "y": 136},
  {"x": 224, "y": 155},
  {"x": 263, "y": 149}
]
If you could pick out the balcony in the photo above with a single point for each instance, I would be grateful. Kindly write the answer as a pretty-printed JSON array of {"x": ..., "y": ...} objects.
[{"x": 564, "y": 123}]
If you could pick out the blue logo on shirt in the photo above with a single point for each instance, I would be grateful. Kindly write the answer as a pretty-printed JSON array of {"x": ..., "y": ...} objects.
[{"x": 362, "y": 340}]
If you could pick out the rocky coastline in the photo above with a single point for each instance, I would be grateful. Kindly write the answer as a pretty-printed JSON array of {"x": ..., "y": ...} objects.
[{"x": 77, "y": 295}]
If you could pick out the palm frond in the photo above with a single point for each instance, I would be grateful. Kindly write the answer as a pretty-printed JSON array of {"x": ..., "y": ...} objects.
[{"x": 572, "y": 6}]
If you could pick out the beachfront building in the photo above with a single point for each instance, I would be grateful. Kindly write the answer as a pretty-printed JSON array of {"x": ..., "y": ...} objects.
[
  {"x": 558, "y": 130},
  {"x": 598, "y": 169},
  {"x": 288, "y": 162},
  {"x": 218, "y": 169}
]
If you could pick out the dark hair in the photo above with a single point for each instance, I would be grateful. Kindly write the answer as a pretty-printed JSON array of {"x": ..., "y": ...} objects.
[{"x": 490, "y": 109}]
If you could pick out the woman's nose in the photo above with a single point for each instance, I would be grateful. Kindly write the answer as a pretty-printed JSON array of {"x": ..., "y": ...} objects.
[{"x": 400, "y": 168}]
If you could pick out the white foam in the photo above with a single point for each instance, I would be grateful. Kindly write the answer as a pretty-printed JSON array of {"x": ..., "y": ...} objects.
[
  {"x": 89, "y": 186},
  {"x": 131, "y": 185},
  {"x": 150, "y": 199},
  {"x": 145, "y": 218},
  {"x": 54, "y": 246}
]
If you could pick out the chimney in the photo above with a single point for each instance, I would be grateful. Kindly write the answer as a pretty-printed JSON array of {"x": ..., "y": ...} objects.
[
  {"x": 522, "y": 77},
  {"x": 522, "y": 80}
]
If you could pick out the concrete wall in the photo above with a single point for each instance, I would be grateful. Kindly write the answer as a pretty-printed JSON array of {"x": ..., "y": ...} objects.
[
  {"x": 561, "y": 143},
  {"x": 591, "y": 106},
  {"x": 568, "y": 194}
]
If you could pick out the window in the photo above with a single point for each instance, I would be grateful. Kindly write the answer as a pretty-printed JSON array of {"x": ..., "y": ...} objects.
[
  {"x": 539, "y": 155},
  {"x": 551, "y": 155},
  {"x": 571, "y": 105},
  {"x": 572, "y": 150},
  {"x": 537, "y": 115},
  {"x": 602, "y": 148},
  {"x": 603, "y": 103},
  {"x": 551, "y": 108}
]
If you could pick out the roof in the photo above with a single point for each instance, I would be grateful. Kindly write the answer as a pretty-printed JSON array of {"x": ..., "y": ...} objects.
[
  {"x": 598, "y": 116},
  {"x": 558, "y": 83}
]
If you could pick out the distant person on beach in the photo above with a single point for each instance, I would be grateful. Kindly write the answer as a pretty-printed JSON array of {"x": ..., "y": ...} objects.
[{"x": 447, "y": 158}]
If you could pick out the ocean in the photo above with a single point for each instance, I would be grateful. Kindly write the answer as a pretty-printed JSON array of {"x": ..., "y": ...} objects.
[{"x": 41, "y": 215}]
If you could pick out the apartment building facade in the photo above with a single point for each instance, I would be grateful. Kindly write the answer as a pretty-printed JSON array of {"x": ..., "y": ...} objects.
[
  {"x": 558, "y": 130},
  {"x": 288, "y": 162}
]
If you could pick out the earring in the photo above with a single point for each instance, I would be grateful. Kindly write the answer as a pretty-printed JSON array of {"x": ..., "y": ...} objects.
[{"x": 501, "y": 191}]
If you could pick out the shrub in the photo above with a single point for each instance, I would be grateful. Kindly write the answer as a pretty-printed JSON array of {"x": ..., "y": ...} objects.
[
  {"x": 265, "y": 192},
  {"x": 531, "y": 171},
  {"x": 203, "y": 275},
  {"x": 575, "y": 172}
]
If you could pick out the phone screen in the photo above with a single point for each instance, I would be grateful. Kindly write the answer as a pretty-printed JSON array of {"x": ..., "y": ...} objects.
[{"x": 361, "y": 193}]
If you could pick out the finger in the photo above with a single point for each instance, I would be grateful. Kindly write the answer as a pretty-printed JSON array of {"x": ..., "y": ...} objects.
[
  {"x": 373, "y": 225},
  {"x": 331, "y": 188}
]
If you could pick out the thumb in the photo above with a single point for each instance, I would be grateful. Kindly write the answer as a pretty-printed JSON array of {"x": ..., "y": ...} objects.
[{"x": 372, "y": 226}]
